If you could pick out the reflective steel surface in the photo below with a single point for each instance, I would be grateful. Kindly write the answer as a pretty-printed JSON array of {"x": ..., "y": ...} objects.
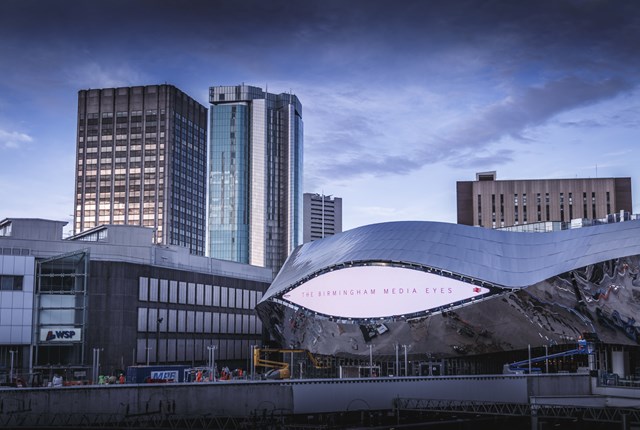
[{"x": 551, "y": 288}]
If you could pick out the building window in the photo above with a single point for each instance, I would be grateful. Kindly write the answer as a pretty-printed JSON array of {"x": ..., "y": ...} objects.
[
  {"x": 5, "y": 230},
  {"x": 11, "y": 283},
  {"x": 493, "y": 208},
  {"x": 562, "y": 207},
  {"x": 539, "y": 203},
  {"x": 515, "y": 207},
  {"x": 143, "y": 289},
  {"x": 584, "y": 205},
  {"x": 593, "y": 205},
  {"x": 546, "y": 202},
  {"x": 608, "y": 203},
  {"x": 524, "y": 208},
  {"x": 501, "y": 210},
  {"x": 570, "y": 206},
  {"x": 479, "y": 210}
]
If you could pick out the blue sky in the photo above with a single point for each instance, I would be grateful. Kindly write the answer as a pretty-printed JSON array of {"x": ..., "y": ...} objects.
[{"x": 401, "y": 99}]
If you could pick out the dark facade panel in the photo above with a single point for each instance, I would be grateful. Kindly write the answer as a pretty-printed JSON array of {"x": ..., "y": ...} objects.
[
  {"x": 464, "y": 195},
  {"x": 623, "y": 195},
  {"x": 113, "y": 318}
]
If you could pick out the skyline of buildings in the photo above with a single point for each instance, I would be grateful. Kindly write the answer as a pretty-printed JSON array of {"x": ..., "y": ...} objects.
[
  {"x": 255, "y": 175},
  {"x": 492, "y": 203},
  {"x": 322, "y": 216},
  {"x": 141, "y": 160},
  {"x": 143, "y": 151}
]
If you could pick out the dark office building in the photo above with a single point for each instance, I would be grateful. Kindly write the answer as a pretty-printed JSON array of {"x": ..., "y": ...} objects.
[
  {"x": 487, "y": 202},
  {"x": 142, "y": 160}
]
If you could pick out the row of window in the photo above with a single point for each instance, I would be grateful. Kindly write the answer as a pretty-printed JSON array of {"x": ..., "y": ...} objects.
[
  {"x": 165, "y": 291},
  {"x": 172, "y": 350},
  {"x": 547, "y": 200},
  {"x": 153, "y": 320}
]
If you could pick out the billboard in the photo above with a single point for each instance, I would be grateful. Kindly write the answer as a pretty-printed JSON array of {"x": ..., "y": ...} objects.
[{"x": 379, "y": 292}]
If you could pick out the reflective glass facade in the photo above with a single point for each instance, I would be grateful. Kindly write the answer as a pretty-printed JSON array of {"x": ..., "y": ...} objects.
[
  {"x": 228, "y": 182},
  {"x": 255, "y": 177}
]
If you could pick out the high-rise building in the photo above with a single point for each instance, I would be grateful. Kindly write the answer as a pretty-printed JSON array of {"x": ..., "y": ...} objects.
[
  {"x": 142, "y": 160},
  {"x": 255, "y": 175},
  {"x": 487, "y": 202},
  {"x": 322, "y": 216}
]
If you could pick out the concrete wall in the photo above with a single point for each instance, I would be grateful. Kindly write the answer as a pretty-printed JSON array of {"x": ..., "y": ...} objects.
[
  {"x": 225, "y": 399},
  {"x": 240, "y": 399},
  {"x": 559, "y": 385}
]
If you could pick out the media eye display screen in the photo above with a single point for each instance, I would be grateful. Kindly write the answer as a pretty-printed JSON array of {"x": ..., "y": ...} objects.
[{"x": 379, "y": 291}]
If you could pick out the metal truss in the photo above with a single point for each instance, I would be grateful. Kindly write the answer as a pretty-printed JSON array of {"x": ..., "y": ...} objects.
[
  {"x": 606, "y": 414},
  {"x": 596, "y": 414},
  {"x": 462, "y": 406}
]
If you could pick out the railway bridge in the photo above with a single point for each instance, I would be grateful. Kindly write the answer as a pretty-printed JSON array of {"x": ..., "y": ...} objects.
[{"x": 323, "y": 403}]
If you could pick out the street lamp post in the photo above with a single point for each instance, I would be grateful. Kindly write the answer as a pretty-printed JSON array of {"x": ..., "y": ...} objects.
[
  {"x": 158, "y": 322},
  {"x": 96, "y": 364},
  {"x": 546, "y": 361},
  {"x": 11, "y": 368},
  {"x": 406, "y": 366},
  {"x": 397, "y": 360},
  {"x": 370, "y": 361},
  {"x": 212, "y": 362}
]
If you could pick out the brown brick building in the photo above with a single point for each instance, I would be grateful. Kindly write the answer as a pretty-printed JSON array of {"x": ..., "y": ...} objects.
[{"x": 490, "y": 203}]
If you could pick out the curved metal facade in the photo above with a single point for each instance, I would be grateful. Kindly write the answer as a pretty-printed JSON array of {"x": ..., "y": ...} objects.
[{"x": 530, "y": 289}]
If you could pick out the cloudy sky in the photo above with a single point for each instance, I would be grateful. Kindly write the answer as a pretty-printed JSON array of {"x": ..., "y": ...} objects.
[{"x": 400, "y": 98}]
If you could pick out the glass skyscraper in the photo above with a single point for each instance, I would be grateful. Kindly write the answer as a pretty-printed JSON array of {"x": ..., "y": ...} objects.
[
  {"x": 142, "y": 160},
  {"x": 255, "y": 175}
]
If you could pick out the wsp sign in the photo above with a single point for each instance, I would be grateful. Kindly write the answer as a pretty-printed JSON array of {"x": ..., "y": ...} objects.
[{"x": 60, "y": 334}]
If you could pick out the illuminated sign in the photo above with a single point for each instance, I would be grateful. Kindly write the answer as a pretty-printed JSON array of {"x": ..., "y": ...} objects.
[
  {"x": 379, "y": 291},
  {"x": 61, "y": 334}
]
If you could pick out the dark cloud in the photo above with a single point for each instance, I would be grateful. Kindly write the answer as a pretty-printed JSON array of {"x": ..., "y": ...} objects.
[
  {"x": 464, "y": 145},
  {"x": 531, "y": 107},
  {"x": 486, "y": 161},
  {"x": 369, "y": 165},
  {"x": 538, "y": 58}
]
